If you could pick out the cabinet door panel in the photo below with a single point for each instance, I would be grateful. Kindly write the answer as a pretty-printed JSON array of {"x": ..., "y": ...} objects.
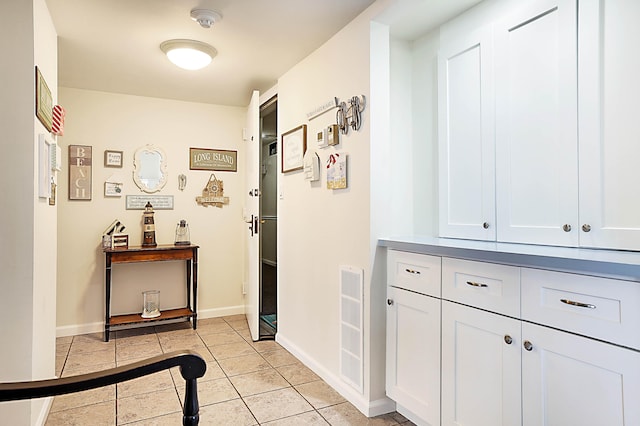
[
  {"x": 536, "y": 124},
  {"x": 571, "y": 380},
  {"x": 609, "y": 88},
  {"x": 480, "y": 371},
  {"x": 413, "y": 354},
  {"x": 466, "y": 136}
]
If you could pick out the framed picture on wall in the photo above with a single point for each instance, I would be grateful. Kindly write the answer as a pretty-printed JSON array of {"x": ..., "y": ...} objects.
[
  {"x": 44, "y": 101},
  {"x": 113, "y": 158},
  {"x": 294, "y": 145}
]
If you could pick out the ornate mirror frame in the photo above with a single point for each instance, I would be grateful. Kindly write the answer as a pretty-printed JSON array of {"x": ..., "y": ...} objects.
[{"x": 150, "y": 169}]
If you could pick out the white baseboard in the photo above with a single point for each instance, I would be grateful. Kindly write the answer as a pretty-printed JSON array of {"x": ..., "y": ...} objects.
[
  {"x": 98, "y": 327},
  {"x": 366, "y": 407},
  {"x": 220, "y": 312},
  {"x": 76, "y": 329},
  {"x": 44, "y": 411}
]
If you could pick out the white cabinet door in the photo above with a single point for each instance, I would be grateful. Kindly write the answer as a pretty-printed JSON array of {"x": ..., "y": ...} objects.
[
  {"x": 413, "y": 355},
  {"x": 536, "y": 124},
  {"x": 466, "y": 136},
  {"x": 609, "y": 88},
  {"x": 480, "y": 367},
  {"x": 575, "y": 381}
]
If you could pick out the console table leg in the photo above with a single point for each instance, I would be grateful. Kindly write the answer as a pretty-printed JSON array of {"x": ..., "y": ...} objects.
[
  {"x": 195, "y": 287},
  {"x": 107, "y": 285}
]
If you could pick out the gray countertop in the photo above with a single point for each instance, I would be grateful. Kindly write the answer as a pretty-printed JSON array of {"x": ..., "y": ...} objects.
[{"x": 607, "y": 263}]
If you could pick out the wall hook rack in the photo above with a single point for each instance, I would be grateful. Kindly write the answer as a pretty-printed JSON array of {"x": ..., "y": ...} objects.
[{"x": 350, "y": 115}]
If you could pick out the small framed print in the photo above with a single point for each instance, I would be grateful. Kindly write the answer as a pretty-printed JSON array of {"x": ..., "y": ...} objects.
[
  {"x": 113, "y": 158},
  {"x": 44, "y": 101},
  {"x": 112, "y": 189},
  {"x": 294, "y": 145}
]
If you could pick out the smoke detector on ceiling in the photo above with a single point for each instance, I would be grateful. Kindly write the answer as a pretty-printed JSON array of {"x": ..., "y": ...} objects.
[{"x": 205, "y": 17}]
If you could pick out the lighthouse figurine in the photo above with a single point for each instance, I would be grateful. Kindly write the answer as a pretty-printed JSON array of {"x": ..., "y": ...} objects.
[{"x": 149, "y": 233}]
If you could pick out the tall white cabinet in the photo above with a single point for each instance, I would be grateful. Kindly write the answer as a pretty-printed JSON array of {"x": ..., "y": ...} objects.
[
  {"x": 536, "y": 123},
  {"x": 609, "y": 128},
  {"x": 551, "y": 86},
  {"x": 466, "y": 136}
]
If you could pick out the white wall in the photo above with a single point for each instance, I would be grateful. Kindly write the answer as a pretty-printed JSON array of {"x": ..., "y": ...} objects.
[
  {"x": 321, "y": 229},
  {"x": 424, "y": 155},
  {"x": 28, "y": 234},
  {"x": 125, "y": 123}
]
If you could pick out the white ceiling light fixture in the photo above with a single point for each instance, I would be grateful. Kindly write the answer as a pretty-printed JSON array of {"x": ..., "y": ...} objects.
[
  {"x": 205, "y": 17},
  {"x": 188, "y": 54}
]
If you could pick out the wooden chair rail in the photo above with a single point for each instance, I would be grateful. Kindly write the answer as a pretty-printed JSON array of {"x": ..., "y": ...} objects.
[{"x": 192, "y": 367}]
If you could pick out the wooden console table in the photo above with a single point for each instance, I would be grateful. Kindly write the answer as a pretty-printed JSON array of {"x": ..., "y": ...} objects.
[{"x": 152, "y": 254}]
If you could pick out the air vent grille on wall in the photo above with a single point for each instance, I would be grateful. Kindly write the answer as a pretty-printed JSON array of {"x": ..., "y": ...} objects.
[{"x": 351, "y": 327}]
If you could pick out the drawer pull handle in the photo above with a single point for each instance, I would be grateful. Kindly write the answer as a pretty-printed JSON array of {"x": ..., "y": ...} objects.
[
  {"x": 412, "y": 271},
  {"x": 578, "y": 304},
  {"x": 528, "y": 345},
  {"x": 508, "y": 339},
  {"x": 474, "y": 284},
  {"x": 390, "y": 302}
]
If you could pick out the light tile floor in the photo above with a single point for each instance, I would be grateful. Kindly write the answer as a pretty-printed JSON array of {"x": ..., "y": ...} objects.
[{"x": 246, "y": 383}]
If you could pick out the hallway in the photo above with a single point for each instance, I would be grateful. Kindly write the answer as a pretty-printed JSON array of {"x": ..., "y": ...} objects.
[{"x": 247, "y": 383}]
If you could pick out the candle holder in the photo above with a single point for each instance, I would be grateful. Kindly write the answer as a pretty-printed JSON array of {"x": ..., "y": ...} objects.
[{"x": 151, "y": 304}]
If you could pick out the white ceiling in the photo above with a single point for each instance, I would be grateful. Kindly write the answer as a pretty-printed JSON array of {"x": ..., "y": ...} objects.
[{"x": 113, "y": 45}]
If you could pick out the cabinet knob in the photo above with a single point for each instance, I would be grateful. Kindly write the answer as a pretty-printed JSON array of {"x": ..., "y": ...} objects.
[
  {"x": 586, "y": 227},
  {"x": 507, "y": 339},
  {"x": 389, "y": 302},
  {"x": 566, "y": 227},
  {"x": 485, "y": 225},
  {"x": 528, "y": 345}
]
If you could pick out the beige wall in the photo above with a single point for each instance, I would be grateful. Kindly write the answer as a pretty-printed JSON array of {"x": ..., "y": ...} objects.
[
  {"x": 320, "y": 229},
  {"x": 28, "y": 234},
  {"x": 125, "y": 123}
]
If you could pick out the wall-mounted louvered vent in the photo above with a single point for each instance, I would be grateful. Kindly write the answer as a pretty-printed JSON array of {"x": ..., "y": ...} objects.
[{"x": 351, "y": 327}]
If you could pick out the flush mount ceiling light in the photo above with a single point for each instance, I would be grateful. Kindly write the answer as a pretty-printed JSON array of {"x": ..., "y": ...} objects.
[
  {"x": 188, "y": 54},
  {"x": 205, "y": 17}
]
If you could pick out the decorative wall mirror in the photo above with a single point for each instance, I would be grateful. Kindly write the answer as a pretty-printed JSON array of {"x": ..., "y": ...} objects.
[{"x": 150, "y": 168}]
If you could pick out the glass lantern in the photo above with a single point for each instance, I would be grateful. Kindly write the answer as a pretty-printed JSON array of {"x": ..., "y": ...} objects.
[
  {"x": 150, "y": 304},
  {"x": 182, "y": 234}
]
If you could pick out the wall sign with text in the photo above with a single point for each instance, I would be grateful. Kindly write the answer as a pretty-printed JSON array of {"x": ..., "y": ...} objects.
[
  {"x": 213, "y": 159},
  {"x": 79, "y": 172}
]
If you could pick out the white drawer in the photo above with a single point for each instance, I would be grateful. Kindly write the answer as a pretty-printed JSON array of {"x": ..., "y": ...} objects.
[
  {"x": 415, "y": 272},
  {"x": 602, "y": 308},
  {"x": 482, "y": 285}
]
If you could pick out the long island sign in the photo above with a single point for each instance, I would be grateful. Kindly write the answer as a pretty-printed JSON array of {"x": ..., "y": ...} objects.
[{"x": 213, "y": 159}]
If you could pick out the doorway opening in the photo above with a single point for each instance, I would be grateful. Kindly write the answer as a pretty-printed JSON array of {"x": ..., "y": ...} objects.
[{"x": 268, "y": 219}]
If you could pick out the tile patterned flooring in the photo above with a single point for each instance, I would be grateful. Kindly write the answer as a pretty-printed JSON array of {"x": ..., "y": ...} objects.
[{"x": 246, "y": 383}]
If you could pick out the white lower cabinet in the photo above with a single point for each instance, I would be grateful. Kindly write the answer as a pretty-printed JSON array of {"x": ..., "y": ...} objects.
[
  {"x": 542, "y": 377},
  {"x": 413, "y": 355},
  {"x": 572, "y": 380},
  {"x": 480, "y": 367},
  {"x": 507, "y": 346}
]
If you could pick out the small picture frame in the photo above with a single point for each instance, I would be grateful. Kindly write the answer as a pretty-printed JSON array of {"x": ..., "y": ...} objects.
[
  {"x": 294, "y": 145},
  {"x": 113, "y": 158},
  {"x": 44, "y": 101},
  {"x": 113, "y": 189}
]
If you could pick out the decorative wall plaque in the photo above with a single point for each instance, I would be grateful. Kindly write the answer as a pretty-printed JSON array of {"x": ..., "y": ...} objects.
[
  {"x": 213, "y": 159},
  {"x": 159, "y": 202},
  {"x": 213, "y": 193},
  {"x": 79, "y": 172}
]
